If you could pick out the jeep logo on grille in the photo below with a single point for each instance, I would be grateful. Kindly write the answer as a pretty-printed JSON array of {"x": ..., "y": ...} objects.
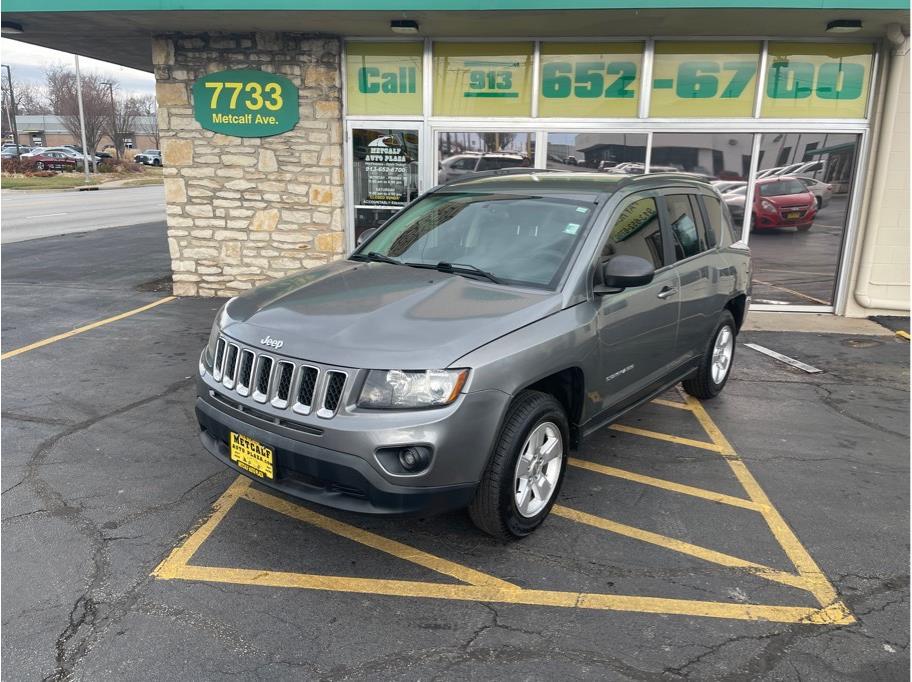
[{"x": 272, "y": 343}]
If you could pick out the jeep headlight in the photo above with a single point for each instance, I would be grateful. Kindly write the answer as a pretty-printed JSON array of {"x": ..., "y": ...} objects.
[
  {"x": 217, "y": 324},
  {"x": 396, "y": 388}
]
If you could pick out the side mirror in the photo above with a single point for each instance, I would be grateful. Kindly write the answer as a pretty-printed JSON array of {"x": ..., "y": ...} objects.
[
  {"x": 621, "y": 272},
  {"x": 364, "y": 236}
]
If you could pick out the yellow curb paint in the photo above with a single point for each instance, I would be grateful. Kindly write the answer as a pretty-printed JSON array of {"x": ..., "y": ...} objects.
[
  {"x": 904, "y": 335},
  {"x": 793, "y": 292},
  {"x": 664, "y": 484},
  {"x": 667, "y": 437},
  {"x": 88, "y": 327},
  {"x": 680, "y": 546}
]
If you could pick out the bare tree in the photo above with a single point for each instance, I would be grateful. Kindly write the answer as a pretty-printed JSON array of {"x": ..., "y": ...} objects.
[
  {"x": 121, "y": 119},
  {"x": 61, "y": 96},
  {"x": 147, "y": 121}
]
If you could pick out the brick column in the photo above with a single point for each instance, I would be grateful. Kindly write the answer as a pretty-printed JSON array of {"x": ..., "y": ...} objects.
[{"x": 246, "y": 210}]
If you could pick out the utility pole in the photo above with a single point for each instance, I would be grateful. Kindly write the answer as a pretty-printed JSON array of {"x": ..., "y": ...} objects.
[
  {"x": 12, "y": 98},
  {"x": 82, "y": 125},
  {"x": 113, "y": 117}
]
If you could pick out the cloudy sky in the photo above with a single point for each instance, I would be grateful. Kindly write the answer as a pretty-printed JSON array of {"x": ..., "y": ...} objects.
[{"x": 28, "y": 63}]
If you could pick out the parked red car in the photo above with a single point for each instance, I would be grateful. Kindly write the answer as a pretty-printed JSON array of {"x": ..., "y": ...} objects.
[
  {"x": 778, "y": 202},
  {"x": 53, "y": 161}
]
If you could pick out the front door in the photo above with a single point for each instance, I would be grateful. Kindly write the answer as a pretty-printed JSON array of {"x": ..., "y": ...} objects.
[
  {"x": 385, "y": 172},
  {"x": 637, "y": 327}
]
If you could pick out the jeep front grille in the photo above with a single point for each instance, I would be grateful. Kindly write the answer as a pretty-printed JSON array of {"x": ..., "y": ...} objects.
[{"x": 280, "y": 383}]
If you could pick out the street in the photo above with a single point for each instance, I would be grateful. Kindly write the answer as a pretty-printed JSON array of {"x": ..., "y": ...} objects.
[
  {"x": 30, "y": 215},
  {"x": 760, "y": 535}
]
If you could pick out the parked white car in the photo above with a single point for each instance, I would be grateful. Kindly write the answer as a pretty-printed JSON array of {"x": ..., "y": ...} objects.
[{"x": 822, "y": 190}]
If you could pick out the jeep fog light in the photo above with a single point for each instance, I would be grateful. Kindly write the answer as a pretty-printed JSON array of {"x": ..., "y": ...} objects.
[{"x": 402, "y": 389}]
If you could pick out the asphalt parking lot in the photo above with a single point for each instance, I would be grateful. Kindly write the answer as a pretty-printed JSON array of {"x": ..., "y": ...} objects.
[{"x": 763, "y": 534}]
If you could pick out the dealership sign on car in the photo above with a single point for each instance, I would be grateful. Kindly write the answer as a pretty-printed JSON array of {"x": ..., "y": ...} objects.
[{"x": 245, "y": 103}]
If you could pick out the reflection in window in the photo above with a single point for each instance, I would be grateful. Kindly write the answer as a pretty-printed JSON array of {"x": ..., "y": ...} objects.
[
  {"x": 636, "y": 232},
  {"x": 718, "y": 157},
  {"x": 603, "y": 152},
  {"x": 463, "y": 153},
  {"x": 796, "y": 248},
  {"x": 688, "y": 240}
]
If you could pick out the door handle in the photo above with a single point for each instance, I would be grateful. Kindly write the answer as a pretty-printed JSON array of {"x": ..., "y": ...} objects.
[{"x": 666, "y": 292}]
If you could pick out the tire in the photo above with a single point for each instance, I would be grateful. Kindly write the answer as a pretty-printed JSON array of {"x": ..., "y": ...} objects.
[
  {"x": 495, "y": 508},
  {"x": 156, "y": 162},
  {"x": 804, "y": 228},
  {"x": 705, "y": 384},
  {"x": 39, "y": 165},
  {"x": 819, "y": 202}
]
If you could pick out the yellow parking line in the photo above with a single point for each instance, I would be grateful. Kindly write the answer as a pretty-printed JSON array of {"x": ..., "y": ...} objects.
[
  {"x": 671, "y": 403},
  {"x": 817, "y": 582},
  {"x": 792, "y": 291},
  {"x": 681, "y": 547},
  {"x": 904, "y": 335},
  {"x": 88, "y": 327},
  {"x": 665, "y": 484},
  {"x": 364, "y": 537},
  {"x": 665, "y": 436},
  {"x": 834, "y": 615}
]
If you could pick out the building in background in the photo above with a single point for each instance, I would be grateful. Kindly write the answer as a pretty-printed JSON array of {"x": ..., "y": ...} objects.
[
  {"x": 49, "y": 131},
  {"x": 289, "y": 131}
]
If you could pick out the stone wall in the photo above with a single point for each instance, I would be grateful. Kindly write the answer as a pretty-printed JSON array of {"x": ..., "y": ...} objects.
[{"x": 246, "y": 210}]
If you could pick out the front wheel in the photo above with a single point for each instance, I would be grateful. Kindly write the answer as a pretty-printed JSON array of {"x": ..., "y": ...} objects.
[
  {"x": 524, "y": 475},
  {"x": 39, "y": 165},
  {"x": 715, "y": 366}
]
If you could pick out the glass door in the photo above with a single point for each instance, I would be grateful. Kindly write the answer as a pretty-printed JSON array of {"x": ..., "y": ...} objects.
[{"x": 383, "y": 172}]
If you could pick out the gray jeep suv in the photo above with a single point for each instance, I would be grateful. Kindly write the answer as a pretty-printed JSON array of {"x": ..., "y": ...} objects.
[{"x": 465, "y": 347}]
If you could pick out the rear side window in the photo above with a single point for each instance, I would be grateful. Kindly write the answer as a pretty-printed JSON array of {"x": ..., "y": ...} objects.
[
  {"x": 686, "y": 226},
  {"x": 636, "y": 232},
  {"x": 719, "y": 221},
  {"x": 782, "y": 188}
]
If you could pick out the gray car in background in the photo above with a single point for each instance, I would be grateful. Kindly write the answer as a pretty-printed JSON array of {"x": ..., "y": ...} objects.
[{"x": 467, "y": 346}]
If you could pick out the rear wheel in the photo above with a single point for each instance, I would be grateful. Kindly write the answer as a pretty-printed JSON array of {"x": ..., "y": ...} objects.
[
  {"x": 715, "y": 366},
  {"x": 524, "y": 475}
]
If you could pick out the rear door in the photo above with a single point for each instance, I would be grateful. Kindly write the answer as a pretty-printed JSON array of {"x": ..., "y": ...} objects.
[
  {"x": 698, "y": 266},
  {"x": 637, "y": 327}
]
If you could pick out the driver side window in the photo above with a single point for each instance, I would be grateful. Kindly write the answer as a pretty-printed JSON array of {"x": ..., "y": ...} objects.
[{"x": 636, "y": 232}]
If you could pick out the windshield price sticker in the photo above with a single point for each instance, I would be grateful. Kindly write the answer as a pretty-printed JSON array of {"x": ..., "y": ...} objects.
[
  {"x": 590, "y": 79},
  {"x": 383, "y": 79},
  {"x": 807, "y": 80},
  {"x": 245, "y": 103},
  {"x": 704, "y": 79},
  {"x": 482, "y": 79}
]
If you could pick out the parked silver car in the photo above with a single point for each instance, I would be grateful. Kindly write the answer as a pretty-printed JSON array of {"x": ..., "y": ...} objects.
[
  {"x": 149, "y": 157},
  {"x": 468, "y": 345}
]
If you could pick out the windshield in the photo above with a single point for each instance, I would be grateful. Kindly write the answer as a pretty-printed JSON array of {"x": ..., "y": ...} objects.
[
  {"x": 520, "y": 239},
  {"x": 781, "y": 188}
]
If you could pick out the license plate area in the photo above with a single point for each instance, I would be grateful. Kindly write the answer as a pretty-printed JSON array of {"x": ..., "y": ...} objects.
[
  {"x": 793, "y": 215},
  {"x": 252, "y": 456}
]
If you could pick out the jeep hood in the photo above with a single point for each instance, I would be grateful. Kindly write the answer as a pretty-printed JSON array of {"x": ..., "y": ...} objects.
[{"x": 382, "y": 316}]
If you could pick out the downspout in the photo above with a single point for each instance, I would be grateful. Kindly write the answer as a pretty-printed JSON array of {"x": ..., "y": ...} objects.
[{"x": 899, "y": 45}]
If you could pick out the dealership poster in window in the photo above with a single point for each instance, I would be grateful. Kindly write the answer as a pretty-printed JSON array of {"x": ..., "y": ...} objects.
[
  {"x": 383, "y": 79},
  {"x": 483, "y": 79},
  {"x": 387, "y": 171}
]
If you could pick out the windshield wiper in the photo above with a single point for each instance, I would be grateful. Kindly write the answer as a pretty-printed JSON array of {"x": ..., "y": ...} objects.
[
  {"x": 376, "y": 257},
  {"x": 466, "y": 269}
]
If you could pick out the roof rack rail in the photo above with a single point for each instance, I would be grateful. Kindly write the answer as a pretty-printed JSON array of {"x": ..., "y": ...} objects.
[{"x": 519, "y": 170}]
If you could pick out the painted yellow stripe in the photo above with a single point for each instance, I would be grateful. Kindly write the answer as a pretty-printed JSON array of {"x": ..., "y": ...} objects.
[
  {"x": 816, "y": 581},
  {"x": 664, "y": 484},
  {"x": 671, "y": 403},
  {"x": 665, "y": 436},
  {"x": 904, "y": 335},
  {"x": 792, "y": 291},
  {"x": 835, "y": 614},
  {"x": 181, "y": 554},
  {"x": 396, "y": 549},
  {"x": 88, "y": 327},
  {"x": 681, "y": 547}
]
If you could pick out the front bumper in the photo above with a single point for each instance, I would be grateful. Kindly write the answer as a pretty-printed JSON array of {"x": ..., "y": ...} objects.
[{"x": 336, "y": 467}]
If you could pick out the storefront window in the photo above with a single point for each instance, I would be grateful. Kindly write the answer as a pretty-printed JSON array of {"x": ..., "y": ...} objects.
[
  {"x": 463, "y": 153},
  {"x": 383, "y": 79},
  {"x": 799, "y": 215},
  {"x": 710, "y": 79},
  {"x": 719, "y": 157},
  {"x": 604, "y": 152},
  {"x": 590, "y": 79},
  {"x": 808, "y": 80},
  {"x": 385, "y": 174},
  {"x": 483, "y": 79}
]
